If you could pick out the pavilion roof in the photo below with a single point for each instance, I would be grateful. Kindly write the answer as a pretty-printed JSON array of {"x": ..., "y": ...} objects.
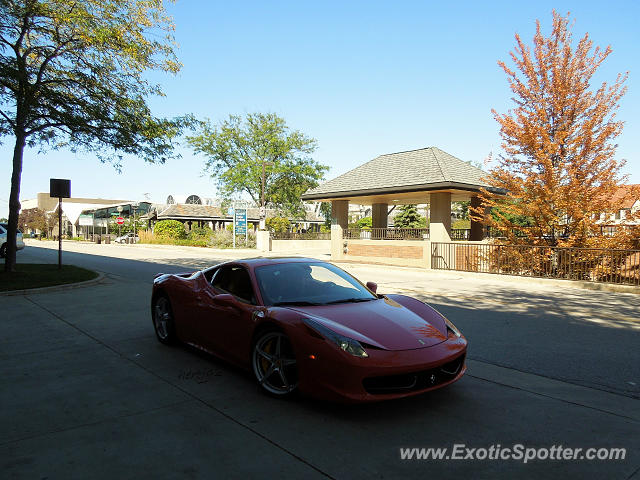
[{"x": 423, "y": 169}]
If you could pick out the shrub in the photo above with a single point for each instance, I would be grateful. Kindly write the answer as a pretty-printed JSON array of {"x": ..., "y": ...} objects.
[
  {"x": 224, "y": 239},
  {"x": 170, "y": 229},
  {"x": 200, "y": 233}
]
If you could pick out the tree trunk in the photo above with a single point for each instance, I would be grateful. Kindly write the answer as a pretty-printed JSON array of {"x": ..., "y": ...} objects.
[{"x": 14, "y": 204}]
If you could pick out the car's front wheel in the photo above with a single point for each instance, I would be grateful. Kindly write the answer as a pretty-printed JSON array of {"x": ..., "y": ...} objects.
[
  {"x": 163, "y": 320},
  {"x": 3, "y": 250},
  {"x": 274, "y": 363}
]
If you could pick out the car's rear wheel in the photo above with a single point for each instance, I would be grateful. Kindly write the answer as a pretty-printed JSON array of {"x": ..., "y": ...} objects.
[
  {"x": 3, "y": 251},
  {"x": 274, "y": 363},
  {"x": 163, "y": 320}
]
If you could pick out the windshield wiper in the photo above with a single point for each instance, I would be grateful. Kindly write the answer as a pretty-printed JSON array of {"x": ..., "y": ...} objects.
[
  {"x": 351, "y": 300},
  {"x": 301, "y": 302}
]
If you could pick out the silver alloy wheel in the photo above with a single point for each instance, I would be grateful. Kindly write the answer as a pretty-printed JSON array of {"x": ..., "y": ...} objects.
[
  {"x": 162, "y": 317},
  {"x": 274, "y": 363}
]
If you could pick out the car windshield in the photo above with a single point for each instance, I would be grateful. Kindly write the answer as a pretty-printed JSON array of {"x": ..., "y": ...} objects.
[{"x": 300, "y": 283}]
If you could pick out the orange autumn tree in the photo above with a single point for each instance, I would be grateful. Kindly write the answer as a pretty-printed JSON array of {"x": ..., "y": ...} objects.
[{"x": 558, "y": 166}]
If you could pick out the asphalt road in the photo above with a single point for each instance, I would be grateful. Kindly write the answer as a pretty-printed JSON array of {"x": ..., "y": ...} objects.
[{"x": 87, "y": 391}]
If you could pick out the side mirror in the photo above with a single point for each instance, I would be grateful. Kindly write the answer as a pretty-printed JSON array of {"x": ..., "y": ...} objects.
[
  {"x": 373, "y": 286},
  {"x": 224, "y": 299}
]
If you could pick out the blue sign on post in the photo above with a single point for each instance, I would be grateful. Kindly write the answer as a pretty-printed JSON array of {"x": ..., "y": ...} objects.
[{"x": 241, "y": 221}]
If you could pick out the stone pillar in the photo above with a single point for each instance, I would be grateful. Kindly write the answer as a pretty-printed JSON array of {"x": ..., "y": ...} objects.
[
  {"x": 440, "y": 214},
  {"x": 477, "y": 228},
  {"x": 339, "y": 222},
  {"x": 379, "y": 215},
  {"x": 263, "y": 240}
]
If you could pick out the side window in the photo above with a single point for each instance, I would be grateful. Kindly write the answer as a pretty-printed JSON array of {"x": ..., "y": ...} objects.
[{"x": 234, "y": 280}]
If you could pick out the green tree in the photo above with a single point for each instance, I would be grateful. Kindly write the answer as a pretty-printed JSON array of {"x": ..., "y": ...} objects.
[
  {"x": 408, "y": 217},
  {"x": 72, "y": 74},
  {"x": 364, "y": 223},
  {"x": 277, "y": 224},
  {"x": 238, "y": 150},
  {"x": 325, "y": 211}
]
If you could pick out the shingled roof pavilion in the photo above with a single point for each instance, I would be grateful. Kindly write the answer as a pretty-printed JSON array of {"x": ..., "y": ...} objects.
[{"x": 427, "y": 175}]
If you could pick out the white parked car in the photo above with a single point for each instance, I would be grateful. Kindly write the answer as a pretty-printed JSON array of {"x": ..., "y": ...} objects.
[
  {"x": 3, "y": 240},
  {"x": 128, "y": 238}
]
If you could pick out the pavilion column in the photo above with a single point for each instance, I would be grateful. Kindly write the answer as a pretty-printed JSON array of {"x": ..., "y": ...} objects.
[
  {"x": 339, "y": 223},
  {"x": 379, "y": 213},
  {"x": 477, "y": 228},
  {"x": 440, "y": 214}
]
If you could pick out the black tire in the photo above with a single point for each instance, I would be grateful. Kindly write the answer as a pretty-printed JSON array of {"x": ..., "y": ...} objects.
[
  {"x": 3, "y": 250},
  {"x": 274, "y": 364},
  {"x": 163, "y": 320}
]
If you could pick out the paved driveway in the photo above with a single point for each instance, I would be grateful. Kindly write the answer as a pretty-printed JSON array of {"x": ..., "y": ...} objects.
[{"x": 88, "y": 392}]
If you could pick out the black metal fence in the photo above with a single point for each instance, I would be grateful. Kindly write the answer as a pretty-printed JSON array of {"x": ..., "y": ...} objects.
[
  {"x": 592, "y": 264},
  {"x": 301, "y": 236},
  {"x": 387, "y": 234},
  {"x": 460, "y": 234}
]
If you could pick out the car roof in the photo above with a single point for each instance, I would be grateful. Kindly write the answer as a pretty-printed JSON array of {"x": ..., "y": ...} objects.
[{"x": 260, "y": 261}]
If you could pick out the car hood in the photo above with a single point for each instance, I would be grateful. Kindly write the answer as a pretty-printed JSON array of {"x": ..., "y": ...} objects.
[{"x": 383, "y": 323}]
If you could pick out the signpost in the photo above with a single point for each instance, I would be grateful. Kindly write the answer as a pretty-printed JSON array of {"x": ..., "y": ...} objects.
[
  {"x": 120, "y": 208},
  {"x": 240, "y": 224},
  {"x": 60, "y": 188}
]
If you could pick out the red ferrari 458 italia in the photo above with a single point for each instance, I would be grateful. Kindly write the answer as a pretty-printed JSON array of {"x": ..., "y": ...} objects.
[{"x": 303, "y": 325}]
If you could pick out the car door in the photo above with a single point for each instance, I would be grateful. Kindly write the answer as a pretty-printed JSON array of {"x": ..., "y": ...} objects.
[{"x": 227, "y": 306}]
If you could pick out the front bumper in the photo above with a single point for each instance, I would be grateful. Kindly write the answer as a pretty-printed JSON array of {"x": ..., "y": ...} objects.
[{"x": 338, "y": 376}]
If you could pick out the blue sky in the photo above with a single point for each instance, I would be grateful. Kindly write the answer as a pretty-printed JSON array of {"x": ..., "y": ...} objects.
[{"x": 363, "y": 78}]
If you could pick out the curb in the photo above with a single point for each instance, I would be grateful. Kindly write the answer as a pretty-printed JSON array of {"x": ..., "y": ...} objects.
[{"x": 55, "y": 288}]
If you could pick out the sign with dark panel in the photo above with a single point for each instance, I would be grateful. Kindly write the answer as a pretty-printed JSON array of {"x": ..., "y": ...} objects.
[{"x": 59, "y": 188}]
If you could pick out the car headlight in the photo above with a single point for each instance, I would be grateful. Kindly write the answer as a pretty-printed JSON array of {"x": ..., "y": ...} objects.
[
  {"x": 347, "y": 344},
  {"x": 452, "y": 328}
]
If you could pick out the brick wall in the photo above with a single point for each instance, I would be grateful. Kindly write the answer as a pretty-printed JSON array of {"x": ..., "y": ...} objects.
[{"x": 388, "y": 251}]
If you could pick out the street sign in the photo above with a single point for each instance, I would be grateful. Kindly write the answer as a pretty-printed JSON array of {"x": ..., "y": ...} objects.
[
  {"x": 85, "y": 220},
  {"x": 59, "y": 188},
  {"x": 120, "y": 220},
  {"x": 241, "y": 221}
]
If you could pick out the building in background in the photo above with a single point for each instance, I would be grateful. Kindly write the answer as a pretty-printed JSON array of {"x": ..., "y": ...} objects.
[{"x": 72, "y": 208}]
